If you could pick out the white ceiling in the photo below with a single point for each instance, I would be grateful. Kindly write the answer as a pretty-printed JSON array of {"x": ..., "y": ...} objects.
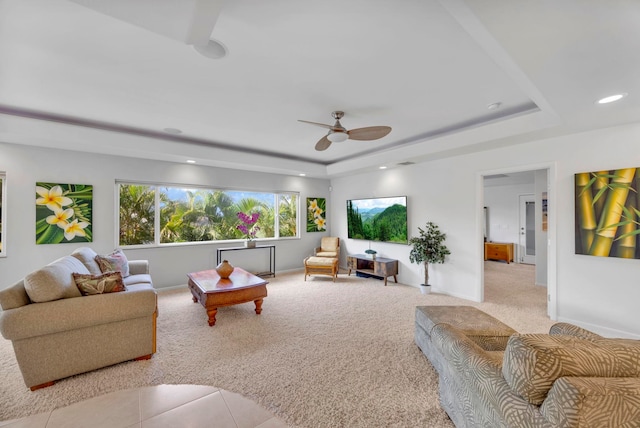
[{"x": 75, "y": 78}]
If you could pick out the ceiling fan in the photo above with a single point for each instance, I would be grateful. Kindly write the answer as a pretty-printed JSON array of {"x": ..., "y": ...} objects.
[{"x": 338, "y": 133}]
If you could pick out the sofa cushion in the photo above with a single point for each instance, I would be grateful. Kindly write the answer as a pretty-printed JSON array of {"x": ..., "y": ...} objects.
[
  {"x": 114, "y": 262},
  {"x": 110, "y": 282},
  {"x": 88, "y": 258},
  {"x": 533, "y": 362},
  {"x": 54, "y": 281},
  {"x": 329, "y": 243},
  {"x": 488, "y": 332},
  {"x": 142, "y": 278},
  {"x": 591, "y": 401}
]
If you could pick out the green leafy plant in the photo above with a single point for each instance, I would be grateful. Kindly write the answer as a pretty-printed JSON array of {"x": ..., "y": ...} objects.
[{"x": 428, "y": 248}]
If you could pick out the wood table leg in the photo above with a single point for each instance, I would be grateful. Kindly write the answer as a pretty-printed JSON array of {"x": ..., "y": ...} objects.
[
  {"x": 212, "y": 316},
  {"x": 195, "y": 300},
  {"x": 258, "y": 303}
]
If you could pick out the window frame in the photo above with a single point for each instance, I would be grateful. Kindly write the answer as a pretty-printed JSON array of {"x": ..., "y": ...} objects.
[{"x": 157, "y": 238}]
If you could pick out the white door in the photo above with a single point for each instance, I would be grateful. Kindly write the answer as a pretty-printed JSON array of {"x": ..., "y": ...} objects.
[{"x": 527, "y": 242}]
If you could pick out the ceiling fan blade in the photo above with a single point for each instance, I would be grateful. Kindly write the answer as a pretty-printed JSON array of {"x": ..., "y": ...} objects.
[
  {"x": 369, "y": 133},
  {"x": 323, "y": 144},
  {"x": 318, "y": 124}
]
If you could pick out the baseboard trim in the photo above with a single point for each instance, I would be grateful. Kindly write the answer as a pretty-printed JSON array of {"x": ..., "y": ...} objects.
[{"x": 601, "y": 330}]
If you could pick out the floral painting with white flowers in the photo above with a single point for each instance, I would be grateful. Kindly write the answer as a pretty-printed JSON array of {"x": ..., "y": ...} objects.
[
  {"x": 63, "y": 213},
  {"x": 316, "y": 214}
]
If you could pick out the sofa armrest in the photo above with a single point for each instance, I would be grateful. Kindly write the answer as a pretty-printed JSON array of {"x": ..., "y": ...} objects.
[
  {"x": 14, "y": 297},
  {"x": 39, "y": 319},
  {"x": 572, "y": 330},
  {"x": 477, "y": 381},
  {"x": 594, "y": 402},
  {"x": 137, "y": 267}
]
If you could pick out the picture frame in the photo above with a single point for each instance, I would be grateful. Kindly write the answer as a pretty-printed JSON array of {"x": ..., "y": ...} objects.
[
  {"x": 316, "y": 214},
  {"x": 607, "y": 213},
  {"x": 64, "y": 213}
]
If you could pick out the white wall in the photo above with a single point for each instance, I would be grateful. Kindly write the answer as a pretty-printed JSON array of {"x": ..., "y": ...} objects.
[
  {"x": 27, "y": 165},
  {"x": 503, "y": 207},
  {"x": 595, "y": 292}
]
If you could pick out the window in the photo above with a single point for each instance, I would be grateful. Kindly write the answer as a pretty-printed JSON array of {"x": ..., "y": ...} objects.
[
  {"x": 197, "y": 214},
  {"x": 3, "y": 213},
  {"x": 137, "y": 214}
]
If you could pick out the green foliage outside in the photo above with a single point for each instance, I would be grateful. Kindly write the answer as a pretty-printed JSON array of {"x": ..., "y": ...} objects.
[
  {"x": 389, "y": 225},
  {"x": 195, "y": 215},
  {"x": 137, "y": 214}
]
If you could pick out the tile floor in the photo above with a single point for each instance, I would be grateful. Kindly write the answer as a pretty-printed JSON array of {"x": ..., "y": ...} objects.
[{"x": 158, "y": 406}]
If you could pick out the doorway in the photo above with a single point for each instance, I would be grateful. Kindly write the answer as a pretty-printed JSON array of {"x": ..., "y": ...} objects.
[
  {"x": 539, "y": 181},
  {"x": 527, "y": 229}
]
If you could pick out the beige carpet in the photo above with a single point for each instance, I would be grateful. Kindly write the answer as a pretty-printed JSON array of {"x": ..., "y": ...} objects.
[{"x": 321, "y": 354}]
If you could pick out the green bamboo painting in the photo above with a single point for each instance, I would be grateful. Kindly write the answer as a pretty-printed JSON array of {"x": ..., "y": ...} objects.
[
  {"x": 63, "y": 213},
  {"x": 607, "y": 213}
]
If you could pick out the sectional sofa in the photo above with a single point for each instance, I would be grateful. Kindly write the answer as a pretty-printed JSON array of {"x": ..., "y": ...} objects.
[{"x": 491, "y": 376}]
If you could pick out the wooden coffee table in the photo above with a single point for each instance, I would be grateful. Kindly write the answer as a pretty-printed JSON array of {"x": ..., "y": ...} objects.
[{"x": 213, "y": 292}]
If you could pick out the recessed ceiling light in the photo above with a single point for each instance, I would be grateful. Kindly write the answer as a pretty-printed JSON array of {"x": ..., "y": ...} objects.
[
  {"x": 172, "y": 131},
  {"x": 383, "y": 167},
  {"x": 190, "y": 161},
  {"x": 612, "y": 98},
  {"x": 494, "y": 106},
  {"x": 213, "y": 49},
  {"x": 302, "y": 174}
]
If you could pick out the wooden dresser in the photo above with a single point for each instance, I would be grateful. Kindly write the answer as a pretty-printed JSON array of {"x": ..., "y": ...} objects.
[{"x": 498, "y": 251}]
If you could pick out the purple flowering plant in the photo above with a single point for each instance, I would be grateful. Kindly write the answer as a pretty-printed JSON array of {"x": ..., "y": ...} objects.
[{"x": 248, "y": 226}]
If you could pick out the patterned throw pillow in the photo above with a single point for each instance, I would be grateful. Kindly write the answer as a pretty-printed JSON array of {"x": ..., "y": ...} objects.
[
  {"x": 109, "y": 282},
  {"x": 114, "y": 262}
]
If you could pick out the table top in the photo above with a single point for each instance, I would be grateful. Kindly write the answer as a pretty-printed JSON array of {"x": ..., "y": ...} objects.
[
  {"x": 368, "y": 257},
  {"x": 245, "y": 248},
  {"x": 210, "y": 282}
]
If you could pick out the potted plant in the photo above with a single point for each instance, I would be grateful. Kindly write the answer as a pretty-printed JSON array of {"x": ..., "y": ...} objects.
[{"x": 428, "y": 248}]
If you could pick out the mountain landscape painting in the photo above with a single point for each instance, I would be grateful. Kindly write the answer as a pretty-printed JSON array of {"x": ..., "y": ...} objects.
[{"x": 378, "y": 219}]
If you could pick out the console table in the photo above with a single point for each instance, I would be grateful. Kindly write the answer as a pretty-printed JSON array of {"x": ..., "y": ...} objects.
[
  {"x": 272, "y": 257},
  {"x": 379, "y": 267}
]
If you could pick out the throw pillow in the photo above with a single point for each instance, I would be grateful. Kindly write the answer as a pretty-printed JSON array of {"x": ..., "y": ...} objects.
[
  {"x": 114, "y": 262},
  {"x": 110, "y": 282}
]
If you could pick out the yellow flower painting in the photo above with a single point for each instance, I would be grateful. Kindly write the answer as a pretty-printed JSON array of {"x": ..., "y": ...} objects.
[
  {"x": 63, "y": 213},
  {"x": 316, "y": 214}
]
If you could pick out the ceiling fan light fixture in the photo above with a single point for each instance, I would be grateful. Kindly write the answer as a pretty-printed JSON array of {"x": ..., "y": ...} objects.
[{"x": 337, "y": 136}]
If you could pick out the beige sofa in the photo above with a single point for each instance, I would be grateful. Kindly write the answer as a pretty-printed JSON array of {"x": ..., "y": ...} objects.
[
  {"x": 567, "y": 378},
  {"x": 70, "y": 333}
]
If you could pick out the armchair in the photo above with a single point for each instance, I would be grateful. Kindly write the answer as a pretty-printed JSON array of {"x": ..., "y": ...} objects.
[{"x": 329, "y": 247}]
